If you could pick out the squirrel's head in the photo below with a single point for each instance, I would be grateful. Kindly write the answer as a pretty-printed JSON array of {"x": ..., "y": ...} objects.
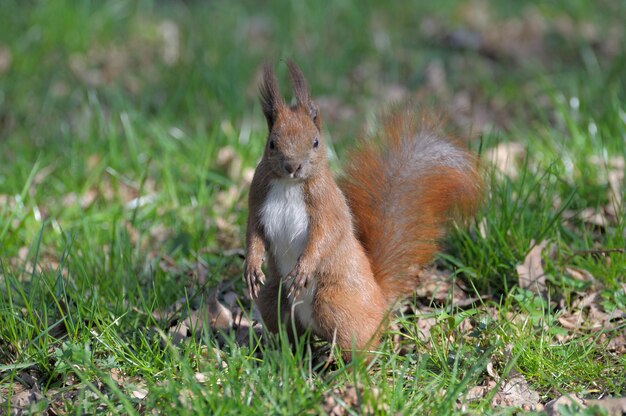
[{"x": 294, "y": 145}]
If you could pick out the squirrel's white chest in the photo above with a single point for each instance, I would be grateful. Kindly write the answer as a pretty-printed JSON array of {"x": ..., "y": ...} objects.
[{"x": 286, "y": 225}]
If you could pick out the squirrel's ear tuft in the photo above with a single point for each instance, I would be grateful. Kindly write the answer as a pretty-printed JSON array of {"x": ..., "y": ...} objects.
[
  {"x": 301, "y": 90},
  {"x": 270, "y": 95}
]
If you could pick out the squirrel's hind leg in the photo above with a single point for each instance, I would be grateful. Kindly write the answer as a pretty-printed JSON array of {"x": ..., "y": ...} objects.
[
  {"x": 271, "y": 304},
  {"x": 274, "y": 306},
  {"x": 354, "y": 323}
]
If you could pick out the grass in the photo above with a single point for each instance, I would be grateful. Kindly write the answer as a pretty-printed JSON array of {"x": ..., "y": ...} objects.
[{"x": 128, "y": 129}]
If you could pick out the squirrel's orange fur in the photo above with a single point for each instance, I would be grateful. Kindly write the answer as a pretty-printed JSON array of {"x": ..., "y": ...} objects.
[
  {"x": 403, "y": 186},
  {"x": 338, "y": 258}
]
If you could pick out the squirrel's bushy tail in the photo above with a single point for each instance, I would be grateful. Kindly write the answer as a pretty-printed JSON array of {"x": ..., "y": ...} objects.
[{"x": 403, "y": 186}]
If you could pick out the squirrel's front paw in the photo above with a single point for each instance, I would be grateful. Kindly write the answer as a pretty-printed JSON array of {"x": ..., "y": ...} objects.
[
  {"x": 295, "y": 282},
  {"x": 254, "y": 279}
]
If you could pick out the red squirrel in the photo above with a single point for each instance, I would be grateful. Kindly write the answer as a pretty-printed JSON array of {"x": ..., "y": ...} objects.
[{"x": 339, "y": 256}]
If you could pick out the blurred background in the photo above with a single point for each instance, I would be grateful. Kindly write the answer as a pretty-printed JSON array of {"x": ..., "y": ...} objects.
[{"x": 142, "y": 116}]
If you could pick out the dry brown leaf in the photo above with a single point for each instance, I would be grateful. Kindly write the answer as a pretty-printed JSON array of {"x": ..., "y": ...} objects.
[
  {"x": 425, "y": 325},
  {"x": 229, "y": 162},
  {"x": 617, "y": 344},
  {"x": 200, "y": 377},
  {"x": 246, "y": 176},
  {"x": 476, "y": 393},
  {"x": 599, "y": 319},
  {"x": 5, "y": 59},
  {"x": 22, "y": 253},
  {"x": 530, "y": 272},
  {"x": 220, "y": 317},
  {"x": 216, "y": 315},
  {"x": 179, "y": 332},
  {"x": 438, "y": 286},
  {"x": 580, "y": 274},
  {"x": 227, "y": 235},
  {"x": 42, "y": 174},
  {"x": 553, "y": 406},
  {"x": 491, "y": 371},
  {"x": 616, "y": 181},
  {"x": 197, "y": 274},
  {"x": 225, "y": 317},
  {"x": 570, "y": 321},
  {"x": 613, "y": 406},
  {"x": 615, "y": 162},
  {"x": 159, "y": 233},
  {"x": 93, "y": 161},
  {"x": 506, "y": 157},
  {"x": 117, "y": 376},
  {"x": 242, "y": 332},
  {"x": 105, "y": 65},
  {"x": 594, "y": 217},
  {"x": 585, "y": 301},
  {"x": 170, "y": 37},
  {"x": 139, "y": 392},
  {"x": 116, "y": 186},
  {"x": 88, "y": 198},
  {"x": 345, "y": 400},
  {"x": 516, "y": 392},
  {"x": 24, "y": 399},
  {"x": 69, "y": 199}
]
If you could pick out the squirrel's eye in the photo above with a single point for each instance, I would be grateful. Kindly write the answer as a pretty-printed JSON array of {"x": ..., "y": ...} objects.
[
  {"x": 272, "y": 145},
  {"x": 316, "y": 142}
]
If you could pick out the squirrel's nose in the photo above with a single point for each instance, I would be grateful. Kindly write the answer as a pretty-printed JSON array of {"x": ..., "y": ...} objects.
[{"x": 290, "y": 168}]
